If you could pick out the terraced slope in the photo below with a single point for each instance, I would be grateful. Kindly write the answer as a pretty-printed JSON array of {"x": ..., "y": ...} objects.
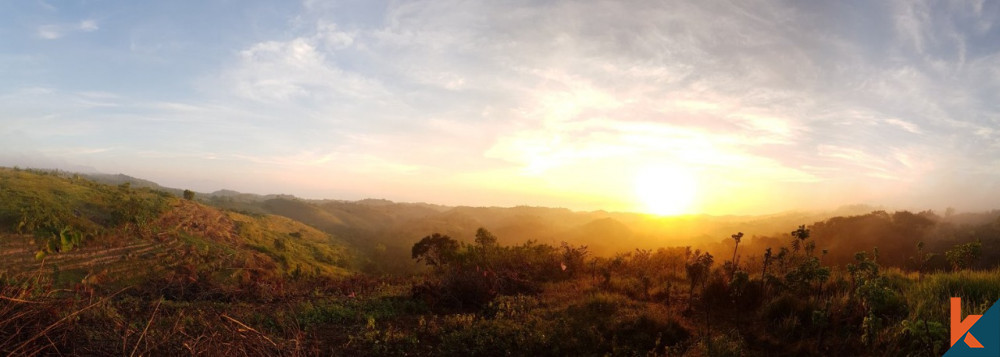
[
  {"x": 67, "y": 231},
  {"x": 129, "y": 262}
]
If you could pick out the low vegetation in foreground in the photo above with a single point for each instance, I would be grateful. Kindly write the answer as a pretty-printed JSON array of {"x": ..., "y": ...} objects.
[{"x": 92, "y": 269}]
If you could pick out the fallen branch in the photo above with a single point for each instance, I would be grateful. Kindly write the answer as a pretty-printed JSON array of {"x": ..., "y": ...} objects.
[{"x": 250, "y": 328}]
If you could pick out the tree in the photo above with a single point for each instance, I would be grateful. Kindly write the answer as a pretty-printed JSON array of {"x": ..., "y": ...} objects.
[
  {"x": 806, "y": 273},
  {"x": 573, "y": 258},
  {"x": 962, "y": 256},
  {"x": 736, "y": 237},
  {"x": 188, "y": 195},
  {"x": 436, "y": 250},
  {"x": 767, "y": 261},
  {"x": 698, "y": 268},
  {"x": 485, "y": 238},
  {"x": 800, "y": 235},
  {"x": 921, "y": 260},
  {"x": 781, "y": 257}
]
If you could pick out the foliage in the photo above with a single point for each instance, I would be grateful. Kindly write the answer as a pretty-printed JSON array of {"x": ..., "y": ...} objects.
[
  {"x": 923, "y": 338},
  {"x": 293, "y": 246},
  {"x": 807, "y": 274},
  {"x": 896, "y": 233},
  {"x": 725, "y": 345},
  {"x": 485, "y": 238},
  {"x": 436, "y": 250},
  {"x": 962, "y": 256},
  {"x": 874, "y": 290},
  {"x": 64, "y": 212},
  {"x": 568, "y": 314},
  {"x": 697, "y": 268},
  {"x": 475, "y": 275}
]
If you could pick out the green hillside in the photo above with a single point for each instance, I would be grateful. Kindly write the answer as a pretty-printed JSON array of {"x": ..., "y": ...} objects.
[
  {"x": 296, "y": 247},
  {"x": 69, "y": 230}
]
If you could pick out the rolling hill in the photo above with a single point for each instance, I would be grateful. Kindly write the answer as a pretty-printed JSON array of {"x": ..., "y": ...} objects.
[
  {"x": 67, "y": 229},
  {"x": 289, "y": 235}
]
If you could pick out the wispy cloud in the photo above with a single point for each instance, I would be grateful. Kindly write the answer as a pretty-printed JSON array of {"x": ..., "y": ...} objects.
[
  {"x": 763, "y": 90},
  {"x": 297, "y": 69},
  {"x": 56, "y": 31},
  {"x": 50, "y": 32},
  {"x": 88, "y": 26}
]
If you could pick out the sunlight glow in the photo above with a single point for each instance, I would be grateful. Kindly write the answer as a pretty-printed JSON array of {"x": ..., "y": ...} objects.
[{"x": 665, "y": 190}]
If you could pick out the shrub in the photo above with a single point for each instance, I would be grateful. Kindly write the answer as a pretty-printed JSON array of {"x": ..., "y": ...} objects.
[
  {"x": 922, "y": 338},
  {"x": 963, "y": 256},
  {"x": 782, "y": 306},
  {"x": 510, "y": 306},
  {"x": 470, "y": 278},
  {"x": 479, "y": 337},
  {"x": 725, "y": 345},
  {"x": 646, "y": 334}
]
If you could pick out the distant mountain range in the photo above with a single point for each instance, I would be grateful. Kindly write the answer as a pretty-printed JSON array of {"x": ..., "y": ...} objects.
[
  {"x": 369, "y": 222},
  {"x": 379, "y": 233}
]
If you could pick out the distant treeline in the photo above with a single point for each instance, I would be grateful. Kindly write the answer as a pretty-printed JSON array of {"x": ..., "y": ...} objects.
[{"x": 904, "y": 238}]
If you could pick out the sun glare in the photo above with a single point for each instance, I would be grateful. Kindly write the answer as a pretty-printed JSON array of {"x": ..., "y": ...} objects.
[{"x": 665, "y": 190}]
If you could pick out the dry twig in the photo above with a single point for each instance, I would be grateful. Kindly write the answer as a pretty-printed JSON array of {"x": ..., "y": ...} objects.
[
  {"x": 54, "y": 324},
  {"x": 250, "y": 328},
  {"x": 150, "y": 322}
]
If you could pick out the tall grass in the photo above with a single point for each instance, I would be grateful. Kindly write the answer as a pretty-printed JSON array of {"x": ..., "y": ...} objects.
[{"x": 929, "y": 297}]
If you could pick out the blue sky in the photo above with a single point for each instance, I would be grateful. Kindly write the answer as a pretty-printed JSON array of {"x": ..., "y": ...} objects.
[{"x": 763, "y": 105}]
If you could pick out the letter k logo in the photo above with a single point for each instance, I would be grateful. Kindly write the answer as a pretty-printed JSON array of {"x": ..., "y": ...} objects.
[{"x": 959, "y": 327}]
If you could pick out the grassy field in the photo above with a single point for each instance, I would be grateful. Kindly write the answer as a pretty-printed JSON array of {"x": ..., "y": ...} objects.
[{"x": 579, "y": 315}]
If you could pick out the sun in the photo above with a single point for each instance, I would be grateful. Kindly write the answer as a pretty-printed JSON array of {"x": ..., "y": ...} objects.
[{"x": 665, "y": 190}]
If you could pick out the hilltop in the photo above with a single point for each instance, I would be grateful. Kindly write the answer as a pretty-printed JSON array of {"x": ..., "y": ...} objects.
[{"x": 75, "y": 230}]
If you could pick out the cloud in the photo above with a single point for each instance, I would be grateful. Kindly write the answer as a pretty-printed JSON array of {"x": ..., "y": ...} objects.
[
  {"x": 88, "y": 26},
  {"x": 50, "y": 32},
  {"x": 905, "y": 125},
  {"x": 46, "y": 5},
  {"x": 57, "y": 31},
  {"x": 775, "y": 93},
  {"x": 276, "y": 71},
  {"x": 559, "y": 96}
]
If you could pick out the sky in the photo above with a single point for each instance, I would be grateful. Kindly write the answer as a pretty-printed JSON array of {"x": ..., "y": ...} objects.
[{"x": 736, "y": 107}]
